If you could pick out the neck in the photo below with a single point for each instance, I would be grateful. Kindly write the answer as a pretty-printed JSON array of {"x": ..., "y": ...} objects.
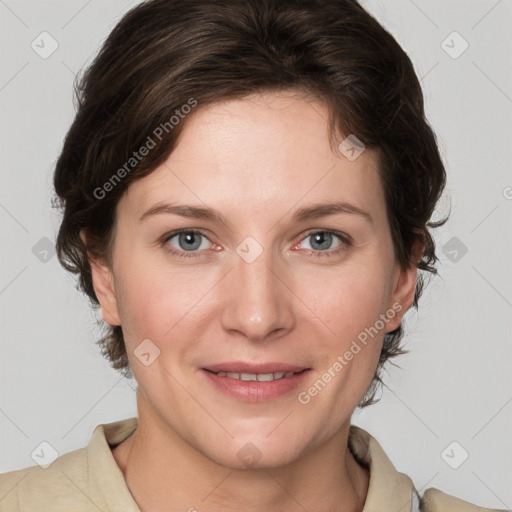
[{"x": 163, "y": 472}]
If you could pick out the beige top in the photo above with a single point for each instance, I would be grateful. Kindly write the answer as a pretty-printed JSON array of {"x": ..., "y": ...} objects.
[{"x": 89, "y": 479}]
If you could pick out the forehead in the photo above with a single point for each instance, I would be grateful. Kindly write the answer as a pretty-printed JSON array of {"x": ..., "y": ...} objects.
[{"x": 263, "y": 153}]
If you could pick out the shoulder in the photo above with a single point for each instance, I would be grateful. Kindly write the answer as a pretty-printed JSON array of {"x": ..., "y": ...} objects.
[
  {"x": 84, "y": 480},
  {"x": 35, "y": 484},
  {"x": 390, "y": 491},
  {"x": 435, "y": 500}
]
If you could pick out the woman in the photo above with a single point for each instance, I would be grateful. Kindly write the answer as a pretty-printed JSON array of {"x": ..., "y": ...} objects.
[{"x": 246, "y": 193}]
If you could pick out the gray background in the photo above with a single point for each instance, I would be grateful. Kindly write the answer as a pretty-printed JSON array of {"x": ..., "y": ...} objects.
[{"x": 454, "y": 385}]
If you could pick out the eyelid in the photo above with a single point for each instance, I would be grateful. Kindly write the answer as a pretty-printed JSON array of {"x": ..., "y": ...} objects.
[
  {"x": 344, "y": 236},
  {"x": 177, "y": 232}
]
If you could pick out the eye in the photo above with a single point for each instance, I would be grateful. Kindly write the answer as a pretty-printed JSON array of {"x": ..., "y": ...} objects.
[
  {"x": 186, "y": 241},
  {"x": 326, "y": 242},
  {"x": 190, "y": 242}
]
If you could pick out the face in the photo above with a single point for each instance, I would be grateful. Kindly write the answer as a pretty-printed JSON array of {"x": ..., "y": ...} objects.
[{"x": 255, "y": 250}]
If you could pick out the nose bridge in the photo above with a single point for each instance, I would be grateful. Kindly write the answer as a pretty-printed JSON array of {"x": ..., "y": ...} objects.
[{"x": 256, "y": 302}]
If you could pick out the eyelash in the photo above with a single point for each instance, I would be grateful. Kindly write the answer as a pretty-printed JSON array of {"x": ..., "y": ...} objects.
[{"x": 345, "y": 244}]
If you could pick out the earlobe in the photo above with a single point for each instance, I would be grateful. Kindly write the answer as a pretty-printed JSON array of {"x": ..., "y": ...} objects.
[
  {"x": 405, "y": 287},
  {"x": 103, "y": 284}
]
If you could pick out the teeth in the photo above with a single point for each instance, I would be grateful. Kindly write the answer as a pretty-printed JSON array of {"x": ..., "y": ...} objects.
[{"x": 260, "y": 377}]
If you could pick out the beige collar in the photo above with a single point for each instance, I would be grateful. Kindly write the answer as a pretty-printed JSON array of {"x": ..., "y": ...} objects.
[
  {"x": 105, "y": 476},
  {"x": 389, "y": 490}
]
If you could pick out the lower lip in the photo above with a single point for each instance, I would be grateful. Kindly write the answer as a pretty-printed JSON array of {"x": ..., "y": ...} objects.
[{"x": 256, "y": 391}]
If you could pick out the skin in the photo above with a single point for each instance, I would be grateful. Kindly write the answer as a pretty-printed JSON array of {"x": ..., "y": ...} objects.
[{"x": 256, "y": 161}]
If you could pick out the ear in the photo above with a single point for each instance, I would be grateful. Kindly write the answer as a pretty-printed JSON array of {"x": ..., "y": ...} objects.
[
  {"x": 404, "y": 286},
  {"x": 103, "y": 282}
]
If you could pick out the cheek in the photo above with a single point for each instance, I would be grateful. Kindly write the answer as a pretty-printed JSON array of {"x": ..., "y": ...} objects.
[
  {"x": 350, "y": 303},
  {"x": 349, "y": 356},
  {"x": 155, "y": 301},
  {"x": 349, "y": 300}
]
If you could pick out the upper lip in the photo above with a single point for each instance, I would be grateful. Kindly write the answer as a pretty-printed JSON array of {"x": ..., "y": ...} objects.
[{"x": 258, "y": 368}]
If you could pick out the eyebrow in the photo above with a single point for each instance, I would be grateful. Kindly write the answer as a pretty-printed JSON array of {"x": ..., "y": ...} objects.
[
  {"x": 314, "y": 211},
  {"x": 192, "y": 212},
  {"x": 324, "y": 210}
]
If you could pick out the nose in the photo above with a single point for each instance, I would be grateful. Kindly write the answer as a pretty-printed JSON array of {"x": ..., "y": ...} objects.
[{"x": 256, "y": 301}]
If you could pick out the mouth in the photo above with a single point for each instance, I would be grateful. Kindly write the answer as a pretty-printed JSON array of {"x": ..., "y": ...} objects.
[{"x": 251, "y": 382}]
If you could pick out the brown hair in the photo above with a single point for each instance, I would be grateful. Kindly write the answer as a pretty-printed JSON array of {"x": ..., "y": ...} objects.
[{"x": 165, "y": 54}]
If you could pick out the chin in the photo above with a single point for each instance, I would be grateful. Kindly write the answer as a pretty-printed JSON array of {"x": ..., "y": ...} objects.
[{"x": 260, "y": 450}]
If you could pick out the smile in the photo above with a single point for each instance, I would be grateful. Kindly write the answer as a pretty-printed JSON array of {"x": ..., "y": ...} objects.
[
  {"x": 260, "y": 377},
  {"x": 258, "y": 385}
]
